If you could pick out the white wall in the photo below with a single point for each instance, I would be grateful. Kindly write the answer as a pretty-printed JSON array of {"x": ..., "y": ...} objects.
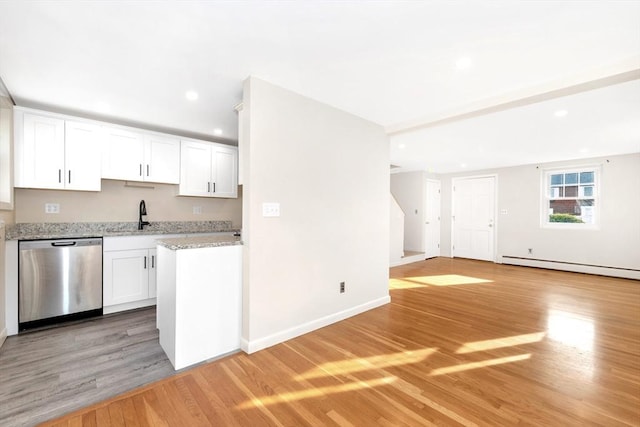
[
  {"x": 409, "y": 189},
  {"x": 6, "y": 152},
  {"x": 329, "y": 171},
  {"x": 396, "y": 232},
  {"x": 3, "y": 322},
  {"x": 615, "y": 244}
]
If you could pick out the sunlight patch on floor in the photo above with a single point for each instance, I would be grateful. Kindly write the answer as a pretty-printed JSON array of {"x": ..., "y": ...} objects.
[
  {"x": 571, "y": 329},
  {"x": 309, "y": 393},
  {"x": 477, "y": 365},
  {"x": 471, "y": 347},
  {"x": 447, "y": 280},
  {"x": 404, "y": 284},
  {"x": 349, "y": 366},
  {"x": 439, "y": 280}
]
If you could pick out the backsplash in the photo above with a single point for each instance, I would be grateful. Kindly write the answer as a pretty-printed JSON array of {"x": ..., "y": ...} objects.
[{"x": 118, "y": 202}]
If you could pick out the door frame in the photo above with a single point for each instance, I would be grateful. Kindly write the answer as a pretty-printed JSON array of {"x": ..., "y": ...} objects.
[
  {"x": 495, "y": 210},
  {"x": 425, "y": 209}
]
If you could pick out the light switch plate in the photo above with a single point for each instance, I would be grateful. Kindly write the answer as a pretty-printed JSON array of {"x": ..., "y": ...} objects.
[{"x": 271, "y": 209}]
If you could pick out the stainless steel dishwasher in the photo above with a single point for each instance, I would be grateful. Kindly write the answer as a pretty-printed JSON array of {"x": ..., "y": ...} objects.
[{"x": 58, "y": 280}]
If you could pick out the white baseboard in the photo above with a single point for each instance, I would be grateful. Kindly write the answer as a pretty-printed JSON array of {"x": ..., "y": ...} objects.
[
  {"x": 624, "y": 273},
  {"x": 3, "y": 336},
  {"x": 128, "y": 306},
  {"x": 407, "y": 260},
  {"x": 244, "y": 345},
  {"x": 273, "y": 339}
]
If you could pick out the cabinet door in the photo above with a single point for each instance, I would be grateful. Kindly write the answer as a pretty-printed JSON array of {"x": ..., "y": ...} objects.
[
  {"x": 224, "y": 175},
  {"x": 195, "y": 169},
  {"x": 162, "y": 159},
  {"x": 82, "y": 156},
  {"x": 126, "y": 276},
  {"x": 122, "y": 154},
  {"x": 152, "y": 266},
  {"x": 40, "y": 152}
]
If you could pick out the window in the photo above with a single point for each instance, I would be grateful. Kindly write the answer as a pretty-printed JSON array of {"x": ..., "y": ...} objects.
[{"x": 571, "y": 197}]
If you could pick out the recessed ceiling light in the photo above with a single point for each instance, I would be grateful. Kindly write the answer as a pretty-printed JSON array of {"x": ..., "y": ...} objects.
[
  {"x": 463, "y": 165},
  {"x": 561, "y": 113},
  {"x": 402, "y": 146},
  {"x": 217, "y": 131},
  {"x": 463, "y": 63},
  {"x": 191, "y": 95}
]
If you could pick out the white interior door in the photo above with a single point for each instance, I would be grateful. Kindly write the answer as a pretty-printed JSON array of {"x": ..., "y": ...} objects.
[
  {"x": 474, "y": 218},
  {"x": 432, "y": 219}
]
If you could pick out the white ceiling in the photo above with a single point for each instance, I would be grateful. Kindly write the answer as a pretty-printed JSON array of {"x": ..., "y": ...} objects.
[{"x": 391, "y": 62}]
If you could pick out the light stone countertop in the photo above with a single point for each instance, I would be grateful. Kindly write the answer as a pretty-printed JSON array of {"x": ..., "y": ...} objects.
[
  {"x": 35, "y": 231},
  {"x": 177, "y": 243}
]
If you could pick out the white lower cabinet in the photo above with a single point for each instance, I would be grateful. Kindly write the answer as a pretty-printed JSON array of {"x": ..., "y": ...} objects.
[
  {"x": 127, "y": 276},
  {"x": 153, "y": 274},
  {"x": 129, "y": 272}
]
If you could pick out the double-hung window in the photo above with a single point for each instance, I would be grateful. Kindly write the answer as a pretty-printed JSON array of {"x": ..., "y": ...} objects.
[{"x": 571, "y": 197}]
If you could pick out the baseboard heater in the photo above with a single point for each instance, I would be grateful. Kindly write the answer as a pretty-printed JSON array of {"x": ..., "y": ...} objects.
[{"x": 626, "y": 273}]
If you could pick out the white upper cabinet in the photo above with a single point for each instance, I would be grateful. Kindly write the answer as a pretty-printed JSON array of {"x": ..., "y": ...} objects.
[
  {"x": 224, "y": 171},
  {"x": 82, "y": 156},
  {"x": 39, "y": 151},
  {"x": 162, "y": 159},
  {"x": 53, "y": 153},
  {"x": 138, "y": 156},
  {"x": 208, "y": 170},
  {"x": 195, "y": 169},
  {"x": 122, "y": 154}
]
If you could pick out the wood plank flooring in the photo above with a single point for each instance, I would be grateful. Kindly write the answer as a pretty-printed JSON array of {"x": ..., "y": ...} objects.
[
  {"x": 47, "y": 373},
  {"x": 463, "y": 343}
]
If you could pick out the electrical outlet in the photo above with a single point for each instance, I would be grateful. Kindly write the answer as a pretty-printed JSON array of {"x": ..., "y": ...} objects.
[
  {"x": 52, "y": 208},
  {"x": 342, "y": 287},
  {"x": 197, "y": 210}
]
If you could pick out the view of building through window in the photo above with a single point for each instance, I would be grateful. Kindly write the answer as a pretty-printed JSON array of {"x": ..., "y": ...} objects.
[{"x": 571, "y": 196}]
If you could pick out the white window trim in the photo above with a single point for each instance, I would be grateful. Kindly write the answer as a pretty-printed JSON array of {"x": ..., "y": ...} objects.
[{"x": 545, "y": 177}]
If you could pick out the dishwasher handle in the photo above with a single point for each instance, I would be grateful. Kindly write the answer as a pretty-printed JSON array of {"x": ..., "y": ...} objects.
[{"x": 57, "y": 244}]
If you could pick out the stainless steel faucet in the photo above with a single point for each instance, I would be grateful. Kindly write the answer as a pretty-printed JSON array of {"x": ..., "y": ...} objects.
[{"x": 143, "y": 211}]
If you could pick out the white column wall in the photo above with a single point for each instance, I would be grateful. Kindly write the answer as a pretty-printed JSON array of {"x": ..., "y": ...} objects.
[{"x": 329, "y": 171}]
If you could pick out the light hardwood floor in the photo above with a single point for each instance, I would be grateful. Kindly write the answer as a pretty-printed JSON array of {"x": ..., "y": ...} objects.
[{"x": 463, "y": 343}]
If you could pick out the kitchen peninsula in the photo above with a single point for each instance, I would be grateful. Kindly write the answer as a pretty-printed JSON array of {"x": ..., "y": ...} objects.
[
  {"x": 130, "y": 267},
  {"x": 199, "y": 302}
]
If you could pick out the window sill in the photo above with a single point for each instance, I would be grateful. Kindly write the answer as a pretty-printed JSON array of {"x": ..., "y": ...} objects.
[{"x": 569, "y": 226}]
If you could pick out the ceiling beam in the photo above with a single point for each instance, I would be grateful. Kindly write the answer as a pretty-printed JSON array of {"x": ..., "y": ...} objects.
[{"x": 622, "y": 72}]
